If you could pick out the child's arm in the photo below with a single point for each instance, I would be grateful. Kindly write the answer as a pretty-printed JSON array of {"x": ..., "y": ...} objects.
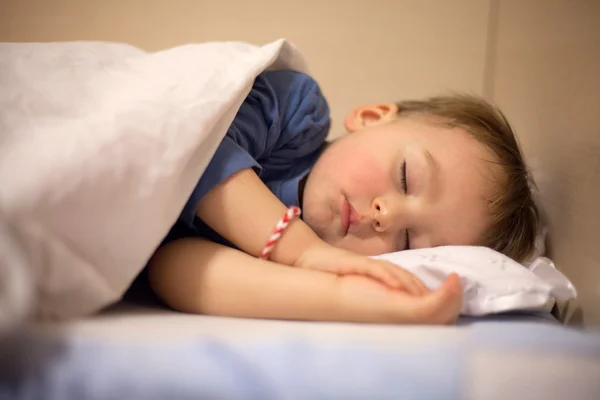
[
  {"x": 199, "y": 276},
  {"x": 244, "y": 211}
]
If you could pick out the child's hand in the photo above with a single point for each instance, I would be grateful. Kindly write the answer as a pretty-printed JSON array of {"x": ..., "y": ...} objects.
[
  {"x": 324, "y": 257},
  {"x": 367, "y": 300}
]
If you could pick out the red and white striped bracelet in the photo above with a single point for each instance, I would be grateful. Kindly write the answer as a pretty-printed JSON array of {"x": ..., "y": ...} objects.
[{"x": 281, "y": 226}]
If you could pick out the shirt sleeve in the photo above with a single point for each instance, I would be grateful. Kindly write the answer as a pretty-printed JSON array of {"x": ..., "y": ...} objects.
[{"x": 284, "y": 118}]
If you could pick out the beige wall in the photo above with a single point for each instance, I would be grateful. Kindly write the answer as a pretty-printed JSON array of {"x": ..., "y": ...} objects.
[
  {"x": 380, "y": 51},
  {"x": 546, "y": 77},
  {"x": 538, "y": 59}
]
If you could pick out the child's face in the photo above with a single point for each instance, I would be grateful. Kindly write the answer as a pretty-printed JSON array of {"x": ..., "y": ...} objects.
[{"x": 355, "y": 195}]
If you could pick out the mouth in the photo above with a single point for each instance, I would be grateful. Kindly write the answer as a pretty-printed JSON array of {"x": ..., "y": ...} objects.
[{"x": 347, "y": 217}]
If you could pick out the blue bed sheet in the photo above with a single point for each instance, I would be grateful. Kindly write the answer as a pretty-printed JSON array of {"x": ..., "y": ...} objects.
[{"x": 78, "y": 369}]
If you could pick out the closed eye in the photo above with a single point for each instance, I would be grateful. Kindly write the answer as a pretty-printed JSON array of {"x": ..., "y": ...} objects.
[
  {"x": 403, "y": 177},
  {"x": 404, "y": 183}
]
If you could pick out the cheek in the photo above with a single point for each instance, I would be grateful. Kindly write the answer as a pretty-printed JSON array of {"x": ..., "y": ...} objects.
[{"x": 366, "y": 175}]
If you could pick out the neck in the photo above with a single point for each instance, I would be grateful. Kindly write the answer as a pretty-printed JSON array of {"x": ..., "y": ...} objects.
[{"x": 302, "y": 183}]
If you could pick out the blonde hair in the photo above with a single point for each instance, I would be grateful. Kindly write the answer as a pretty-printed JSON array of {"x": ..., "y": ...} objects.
[{"x": 515, "y": 215}]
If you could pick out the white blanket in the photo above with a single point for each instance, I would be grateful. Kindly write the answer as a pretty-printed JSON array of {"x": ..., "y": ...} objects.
[{"x": 101, "y": 145}]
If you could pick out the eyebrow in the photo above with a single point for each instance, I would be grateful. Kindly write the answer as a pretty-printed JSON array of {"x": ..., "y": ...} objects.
[
  {"x": 430, "y": 161},
  {"x": 432, "y": 164},
  {"x": 430, "y": 158}
]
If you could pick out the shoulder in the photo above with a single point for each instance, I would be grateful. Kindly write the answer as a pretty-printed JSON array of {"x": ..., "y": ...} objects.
[
  {"x": 285, "y": 115},
  {"x": 293, "y": 86},
  {"x": 280, "y": 94},
  {"x": 284, "y": 80},
  {"x": 300, "y": 100},
  {"x": 296, "y": 91}
]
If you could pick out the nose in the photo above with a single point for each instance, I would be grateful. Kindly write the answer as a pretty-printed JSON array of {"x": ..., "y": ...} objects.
[{"x": 386, "y": 215}]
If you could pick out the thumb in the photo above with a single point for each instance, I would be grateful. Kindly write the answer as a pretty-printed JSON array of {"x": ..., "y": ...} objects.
[{"x": 441, "y": 306}]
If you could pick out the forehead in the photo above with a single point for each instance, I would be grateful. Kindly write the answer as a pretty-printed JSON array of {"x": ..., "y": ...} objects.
[{"x": 461, "y": 215}]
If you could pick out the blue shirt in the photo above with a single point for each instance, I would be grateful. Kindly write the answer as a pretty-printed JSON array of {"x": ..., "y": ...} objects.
[{"x": 279, "y": 131}]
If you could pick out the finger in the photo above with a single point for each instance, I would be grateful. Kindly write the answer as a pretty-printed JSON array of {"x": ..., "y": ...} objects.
[
  {"x": 443, "y": 305},
  {"x": 411, "y": 284},
  {"x": 384, "y": 274},
  {"x": 419, "y": 285},
  {"x": 375, "y": 270}
]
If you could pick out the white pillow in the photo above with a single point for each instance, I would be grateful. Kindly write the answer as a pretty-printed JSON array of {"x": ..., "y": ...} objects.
[{"x": 492, "y": 282}]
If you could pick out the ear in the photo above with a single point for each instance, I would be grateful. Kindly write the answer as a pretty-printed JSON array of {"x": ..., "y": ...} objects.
[{"x": 364, "y": 116}]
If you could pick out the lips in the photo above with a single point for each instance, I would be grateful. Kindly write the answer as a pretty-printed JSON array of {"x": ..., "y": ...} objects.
[{"x": 349, "y": 217}]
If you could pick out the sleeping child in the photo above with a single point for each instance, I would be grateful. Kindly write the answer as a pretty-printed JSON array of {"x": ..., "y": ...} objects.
[{"x": 442, "y": 171}]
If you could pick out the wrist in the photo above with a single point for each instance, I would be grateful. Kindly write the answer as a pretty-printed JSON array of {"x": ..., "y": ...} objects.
[
  {"x": 297, "y": 239},
  {"x": 311, "y": 251},
  {"x": 361, "y": 299}
]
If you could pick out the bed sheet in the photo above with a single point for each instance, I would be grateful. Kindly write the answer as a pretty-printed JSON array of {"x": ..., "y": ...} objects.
[
  {"x": 127, "y": 322},
  {"x": 138, "y": 353}
]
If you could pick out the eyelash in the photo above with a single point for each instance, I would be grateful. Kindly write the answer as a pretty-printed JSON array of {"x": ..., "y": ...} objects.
[
  {"x": 405, "y": 188},
  {"x": 403, "y": 177}
]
